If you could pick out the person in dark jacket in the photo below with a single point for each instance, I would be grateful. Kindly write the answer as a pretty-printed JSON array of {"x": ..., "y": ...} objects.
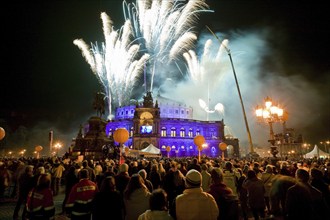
[
  {"x": 256, "y": 190},
  {"x": 304, "y": 201},
  {"x": 122, "y": 178},
  {"x": 223, "y": 195},
  {"x": 319, "y": 183},
  {"x": 108, "y": 201},
  {"x": 70, "y": 180},
  {"x": 25, "y": 184}
]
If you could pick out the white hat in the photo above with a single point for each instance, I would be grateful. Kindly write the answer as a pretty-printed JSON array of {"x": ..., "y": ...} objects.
[{"x": 193, "y": 178}]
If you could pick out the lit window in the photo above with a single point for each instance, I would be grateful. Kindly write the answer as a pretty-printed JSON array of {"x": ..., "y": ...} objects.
[
  {"x": 163, "y": 132},
  {"x": 190, "y": 133},
  {"x": 173, "y": 132},
  {"x": 182, "y": 132}
]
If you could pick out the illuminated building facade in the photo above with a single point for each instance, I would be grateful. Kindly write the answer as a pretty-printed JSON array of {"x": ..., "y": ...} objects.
[{"x": 169, "y": 124}]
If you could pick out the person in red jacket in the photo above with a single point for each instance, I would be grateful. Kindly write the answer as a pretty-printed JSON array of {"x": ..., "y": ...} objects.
[
  {"x": 40, "y": 203},
  {"x": 79, "y": 203}
]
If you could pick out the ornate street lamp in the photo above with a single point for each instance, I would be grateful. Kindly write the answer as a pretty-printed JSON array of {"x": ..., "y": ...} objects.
[{"x": 270, "y": 114}]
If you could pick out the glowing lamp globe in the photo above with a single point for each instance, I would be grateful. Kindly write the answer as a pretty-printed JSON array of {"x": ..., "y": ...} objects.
[
  {"x": 38, "y": 148},
  {"x": 199, "y": 140},
  {"x": 168, "y": 148},
  {"x": 121, "y": 135},
  {"x": 2, "y": 133},
  {"x": 223, "y": 146}
]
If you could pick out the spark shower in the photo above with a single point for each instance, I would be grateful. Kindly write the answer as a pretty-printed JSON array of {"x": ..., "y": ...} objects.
[{"x": 155, "y": 44}]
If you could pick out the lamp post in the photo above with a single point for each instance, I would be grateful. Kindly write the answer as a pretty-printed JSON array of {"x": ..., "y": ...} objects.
[
  {"x": 57, "y": 148},
  {"x": 121, "y": 135},
  {"x": 199, "y": 140},
  {"x": 271, "y": 114}
]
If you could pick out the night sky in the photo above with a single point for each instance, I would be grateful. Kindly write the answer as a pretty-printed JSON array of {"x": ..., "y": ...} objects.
[{"x": 47, "y": 85}]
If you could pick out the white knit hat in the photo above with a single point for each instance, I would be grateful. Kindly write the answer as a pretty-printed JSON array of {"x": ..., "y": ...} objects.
[{"x": 193, "y": 178}]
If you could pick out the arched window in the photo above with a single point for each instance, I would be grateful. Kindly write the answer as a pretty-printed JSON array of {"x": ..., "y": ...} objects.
[
  {"x": 163, "y": 132},
  {"x": 190, "y": 133},
  {"x": 131, "y": 132},
  {"x": 182, "y": 132},
  {"x": 198, "y": 132},
  {"x": 173, "y": 132}
]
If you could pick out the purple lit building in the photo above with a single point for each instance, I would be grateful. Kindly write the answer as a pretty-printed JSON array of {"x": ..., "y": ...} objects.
[{"x": 166, "y": 123}]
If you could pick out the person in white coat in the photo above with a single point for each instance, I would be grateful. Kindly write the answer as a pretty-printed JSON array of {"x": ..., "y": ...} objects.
[{"x": 194, "y": 203}]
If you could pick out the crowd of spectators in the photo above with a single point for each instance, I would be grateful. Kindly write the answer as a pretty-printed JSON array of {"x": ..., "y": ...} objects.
[{"x": 168, "y": 188}]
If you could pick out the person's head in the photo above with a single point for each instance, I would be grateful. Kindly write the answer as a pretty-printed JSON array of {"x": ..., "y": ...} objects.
[
  {"x": 216, "y": 175},
  {"x": 193, "y": 179},
  {"x": 44, "y": 181},
  {"x": 158, "y": 200},
  {"x": 245, "y": 169},
  {"x": 302, "y": 175},
  {"x": 178, "y": 178},
  {"x": 205, "y": 167},
  {"x": 251, "y": 174},
  {"x": 269, "y": 168},
  {"x": 143, "y": 173},
  {"x": 194, "y": 161},
  {"x": 108, "y": 184},
  {"x": 123, "y": 168},
  {"x": 83, "y": 174},
  {"x": 29, "y": 169},
  {"x": 135, "y": 182},
  {"x": 85, "y": 163},
  {"x": 228, "y": 165},
  {"x": 316, "y": 173},
  {"x": 40, "y": 170},
  {"x": 154, "y": 167}
]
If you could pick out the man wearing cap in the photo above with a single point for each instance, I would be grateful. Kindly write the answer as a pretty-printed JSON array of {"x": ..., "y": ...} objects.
[{"x": 194, "y": 204}]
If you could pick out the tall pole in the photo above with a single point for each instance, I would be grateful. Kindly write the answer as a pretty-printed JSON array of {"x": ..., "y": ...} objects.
[
  {"x": 50, "y": 142},
  {"x": 238, "y": 90}
]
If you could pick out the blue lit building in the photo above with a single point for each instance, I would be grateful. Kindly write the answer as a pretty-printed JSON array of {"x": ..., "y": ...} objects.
[{"x": 167, "y": 123}]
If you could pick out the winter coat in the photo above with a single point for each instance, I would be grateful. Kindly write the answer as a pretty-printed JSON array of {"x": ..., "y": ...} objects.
[{"x": 195, "y": 204}]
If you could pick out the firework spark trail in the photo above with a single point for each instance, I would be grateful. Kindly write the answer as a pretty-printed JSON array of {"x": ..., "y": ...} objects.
[
  {"x": 166, "y": 27},
  {"x": 201, "y": 75},
  {"x": 197, "y": 67},
  {"x": 115, "y": 62}
]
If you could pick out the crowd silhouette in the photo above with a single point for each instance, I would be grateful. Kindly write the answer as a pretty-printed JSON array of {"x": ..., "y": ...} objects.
[{"x": 168, "y": 188}]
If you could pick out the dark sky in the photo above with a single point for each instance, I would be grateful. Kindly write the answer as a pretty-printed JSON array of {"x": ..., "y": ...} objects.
[{"x": 46, "y": 82}]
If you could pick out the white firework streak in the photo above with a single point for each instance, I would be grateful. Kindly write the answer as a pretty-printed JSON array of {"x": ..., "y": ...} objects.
[
  {"x": 115, "y": 63},
  {"x": 166, "y": 27},
  {"x": 197, "y": 68},
  {"x": 202, "y": 75}
]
